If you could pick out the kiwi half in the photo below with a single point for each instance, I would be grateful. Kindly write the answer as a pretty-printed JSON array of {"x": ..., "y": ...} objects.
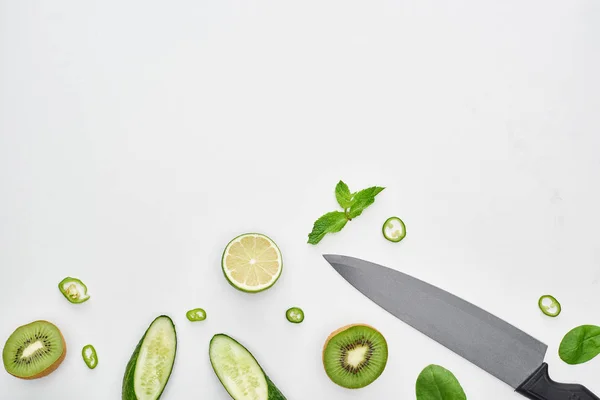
[
  {"x": 354, "y": 356},
  {"x": 34, "y": 350}
]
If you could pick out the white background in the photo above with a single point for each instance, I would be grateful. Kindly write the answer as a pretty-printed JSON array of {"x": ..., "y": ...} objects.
[{"x": 138, "y": 137}]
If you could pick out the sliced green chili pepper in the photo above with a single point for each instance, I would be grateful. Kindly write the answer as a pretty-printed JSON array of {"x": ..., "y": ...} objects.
[
  {"x": 74, "y": 290},
  {"x": 90, "y": 357},
  {"x": 295, "y": 315},
  {"x": 394, "y": 229},
  {"x": 549, "y": 305},
  {"x": 197, "y": 314}
]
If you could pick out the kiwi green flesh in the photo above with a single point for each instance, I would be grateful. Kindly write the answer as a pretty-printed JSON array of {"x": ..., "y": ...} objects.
[
  {"x": 355, "y": 357},
  {"x": 33, "y": 350}
]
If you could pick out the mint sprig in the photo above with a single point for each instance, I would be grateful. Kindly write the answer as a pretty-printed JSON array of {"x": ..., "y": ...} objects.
[{"x": 353, "y": 205}]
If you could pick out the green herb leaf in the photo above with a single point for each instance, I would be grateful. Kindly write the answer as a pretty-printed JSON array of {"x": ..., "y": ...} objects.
[
  {"x": 437, "y": 383},
  {"x": 353, "y": 205},
  {"x": 580, "y": 345},
  {"x": 362, "y": 200},
  {"x": 343, "y": 195},
  {"x": 328, "y": 223}
]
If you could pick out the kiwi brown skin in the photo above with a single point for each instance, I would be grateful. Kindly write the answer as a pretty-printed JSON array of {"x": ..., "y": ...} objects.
[{"x": 52, "y": 367}]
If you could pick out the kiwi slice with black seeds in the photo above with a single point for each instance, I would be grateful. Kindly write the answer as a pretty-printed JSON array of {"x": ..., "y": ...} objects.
[
  {"x": 355, "y": 356},
  {"x": 34, "y": 350}
]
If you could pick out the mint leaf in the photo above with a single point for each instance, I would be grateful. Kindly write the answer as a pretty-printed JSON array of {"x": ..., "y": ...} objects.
[
  {"x": 343, "y": 195},
  {"x": 328, "y": 223},
  {"x": 353, "y": 205},
  {"x": 362, "y": 200},
  {"x": 437, "y": 383}
]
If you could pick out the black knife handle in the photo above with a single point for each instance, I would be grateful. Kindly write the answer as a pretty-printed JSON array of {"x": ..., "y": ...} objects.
[{"x": 539, "y": 386}]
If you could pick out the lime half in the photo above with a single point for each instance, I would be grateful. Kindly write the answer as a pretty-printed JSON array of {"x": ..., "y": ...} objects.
[{"x": 252, "y": 262}]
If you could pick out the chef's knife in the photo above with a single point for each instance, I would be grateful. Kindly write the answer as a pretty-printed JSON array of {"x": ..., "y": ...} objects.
[{"x": 492, "y": 344}]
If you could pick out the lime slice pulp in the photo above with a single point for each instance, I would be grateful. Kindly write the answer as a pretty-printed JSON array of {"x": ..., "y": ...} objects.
[{"x": 252, "y": 262}]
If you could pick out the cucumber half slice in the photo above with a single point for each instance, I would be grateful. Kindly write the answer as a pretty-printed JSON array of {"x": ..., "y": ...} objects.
[
  {"x": 151, "y": 364},
  {"x": 239, "y": 372},
  {"x": 394, "y": 229}
]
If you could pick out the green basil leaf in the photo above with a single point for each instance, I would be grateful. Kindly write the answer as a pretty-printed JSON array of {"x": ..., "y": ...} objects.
[
  {"x": 328, "y": 223},
  {"x": 437, "y": 383},
  {"x": 363, "y": 199},
  {"x": 343, "y": 195},
  {"x": 580, "y": 345}
]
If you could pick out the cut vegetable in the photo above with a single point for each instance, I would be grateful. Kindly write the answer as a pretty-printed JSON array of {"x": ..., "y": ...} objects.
[
  {"x": 549, "y": 305},
  {"x": 239, "y": 372},
  {"x": 74, "y": 290},
  {"x": 90, "y": 357},
  {"x": 151, "y": 363},
  {"x": 34, "y": 350},
  {"x": 394, "y": 229},
  {"x": 197, "y": 314},
  {"x": 295, "y": 315},
  {"x": 252, "y": 262}
]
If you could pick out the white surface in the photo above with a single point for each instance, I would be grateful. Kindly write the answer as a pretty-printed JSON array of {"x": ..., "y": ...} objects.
[{"x": 137, "y": 138}]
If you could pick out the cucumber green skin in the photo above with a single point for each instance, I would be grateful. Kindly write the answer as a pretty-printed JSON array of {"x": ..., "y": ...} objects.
[
  {"x": 273, "y": 393},
  {"x": 233, "y": 284},
  {"x": 128, "y": 391}
]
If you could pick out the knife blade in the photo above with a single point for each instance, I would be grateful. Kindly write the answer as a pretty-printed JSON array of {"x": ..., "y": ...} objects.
[{"x": 485, "y": 340}]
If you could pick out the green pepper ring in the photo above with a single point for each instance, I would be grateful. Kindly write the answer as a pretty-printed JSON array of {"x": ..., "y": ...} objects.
[
  {"x": 295, "y": 315},
  {"x": 68, "y": 279},
  {"x": 90, "y": 360},
  {"x": 196, "y": 315},
  {"x": 546, "y": 309},
  {"x": 391, "y": 238}
]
